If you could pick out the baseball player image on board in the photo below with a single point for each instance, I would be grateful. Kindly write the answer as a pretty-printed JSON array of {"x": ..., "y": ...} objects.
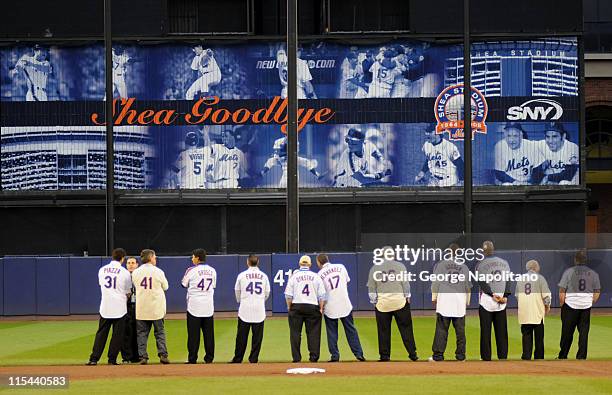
[
  {"x": 209, "y": 73},
  {"x": 279, "y": 158},
  {"x": 129, "y": 350},
  {"x": 534, "y": 300},
  {"x": 492, "y": 303},
  {"x": 35, "y": 69},
  {"x": 228, "y": 163},
  {"x": 252, "y": 289},
  {"x": 361, "y": 163},
  {"x": 352, "y": 74},
  {"x": 384, "y": 74},
  {"x": 516, "y": 156},
  {"x": 192, "y": 165},
  {"x": 150, "y": 283},
  {"x": 338, "y": 308},
  {"x": 579, "y": 289},
  {"x": 121, "y": 60},
  {"x": 305, "y": 296},
  {"x": 561, "y": 157},
  {"x": 443, "y": 165},
  {"x": 200, "y": 281},
  {"x": 115, "y": 285},
  {"x": 305, "y": 89},
  {"x": 391, "y": 297},
  {"x": 450, "y": 298}
]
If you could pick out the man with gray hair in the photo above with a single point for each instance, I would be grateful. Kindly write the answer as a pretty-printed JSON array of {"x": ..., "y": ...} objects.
[
  {"x": 534, "y": 299},
  {"x": 389, "y": 291}
]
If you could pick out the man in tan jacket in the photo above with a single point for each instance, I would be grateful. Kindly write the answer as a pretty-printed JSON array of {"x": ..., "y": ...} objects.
[
  {"x": 150, "y": 283},
  {"x": 533, "y": 303}
]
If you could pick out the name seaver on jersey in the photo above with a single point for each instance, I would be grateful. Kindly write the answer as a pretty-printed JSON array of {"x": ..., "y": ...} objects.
[
  {"x": 305, "y": 286},
  {"x": 518, "y": 163},
  {"x": 440, "y": 159},
  {"x": 254, "y": 288},
  {"x": 335, "y": 279},
  {"x": 200, "y": 281}
]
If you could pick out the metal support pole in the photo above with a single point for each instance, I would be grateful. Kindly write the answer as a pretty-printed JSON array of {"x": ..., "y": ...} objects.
[
  {"x": 467, "y": 128},
  {"x": 110, "y": 149},
  {"x": 293, "y": 198}
]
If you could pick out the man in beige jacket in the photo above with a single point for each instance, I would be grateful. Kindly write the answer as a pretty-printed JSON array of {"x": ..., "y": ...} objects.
[
  {"x": 533, "y": 303},
  {"x": 150, "y": 283}
]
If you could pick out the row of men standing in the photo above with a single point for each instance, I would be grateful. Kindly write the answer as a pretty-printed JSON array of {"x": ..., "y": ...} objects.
[{"x": 311, "y": 296}]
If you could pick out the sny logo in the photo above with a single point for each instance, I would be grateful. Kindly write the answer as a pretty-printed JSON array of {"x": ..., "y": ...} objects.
[{"x": 536, "y": 110}]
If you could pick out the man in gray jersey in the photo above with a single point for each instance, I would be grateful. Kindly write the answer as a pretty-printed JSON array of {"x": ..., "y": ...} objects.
[
  {"x": 389, "y": 291},
  {"x": 450, "y": 298},
  {"x": 493, "y": 299},
  {"x": 579, "y": 288}
]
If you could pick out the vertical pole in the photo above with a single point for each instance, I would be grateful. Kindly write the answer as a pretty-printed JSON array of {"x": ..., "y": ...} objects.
[
  {"x": 467, "y": 128},
  {"x": 293, "y": 198},
  {"x": 110, "y": 149}
]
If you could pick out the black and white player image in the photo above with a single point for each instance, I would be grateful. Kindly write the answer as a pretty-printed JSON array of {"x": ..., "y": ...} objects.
[
  {"x": 121, "y": 60},
  {"x": 279, "y": 158},
  {"x": 384, "y": 73},
  {"x": 209, "y": 73},
  {"x": 35, "y": 69},
  {"x": 361, "y": 163},
  {"x": 228, "y": 163},
  {"x": 443, "y": 166},
  {"x": 516, "y": 156},
  {"x": 560, "y": 157},
  {"x": 305, "y": 89},
  {"x": 351, "y": 79},
  {"x": 192, "y": 164}
]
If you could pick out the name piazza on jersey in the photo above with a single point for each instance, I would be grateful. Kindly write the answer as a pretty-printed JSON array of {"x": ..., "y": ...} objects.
[{"x": 112, "y": 270}]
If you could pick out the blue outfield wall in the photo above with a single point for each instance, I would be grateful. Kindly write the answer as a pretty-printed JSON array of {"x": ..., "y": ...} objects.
[{"x": 61, "y": 286}]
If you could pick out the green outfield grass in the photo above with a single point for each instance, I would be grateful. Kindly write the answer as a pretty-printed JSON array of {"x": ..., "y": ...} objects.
[
  {"x": 69, "y": 342},
  {"x": 457, "y": 385}
]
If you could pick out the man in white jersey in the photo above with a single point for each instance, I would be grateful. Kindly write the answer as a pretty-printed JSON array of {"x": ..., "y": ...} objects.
[
  {"x": 305, "y": 90},
  {"x": 35, "y": 69},
  {"x": 384, "y": 73},
  {"x": 492, "y": 303},
  {"x": 561, "y": 157},
  {"x": 208, "y": 71},
  {"x": 279, "y": 158},
  {"x": 229, "y": 164},
  {"x": 516, "y": 157},
  {"x": 338, "y": 307},
  {"x": 150, "y": 283},
  {"x": 351, "y": 77},
  {"x": 579, "y": 289},
  {"x": 115, "y": 285},
  {"x": 200, "y": 281},
  {"x": 192, "y": 164},
  {"x": 450, "y": 297},
  {"x": 252, "y": 289},
  {"x": 443, "y": 163},
  {"x": 361, "y": 163},
  {"x": 120, "y": 63},
  {"x": 305, "y": 296}
]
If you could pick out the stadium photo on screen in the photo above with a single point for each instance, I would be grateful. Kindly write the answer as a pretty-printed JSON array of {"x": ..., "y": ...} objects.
[{"x": 306, "y": 197}]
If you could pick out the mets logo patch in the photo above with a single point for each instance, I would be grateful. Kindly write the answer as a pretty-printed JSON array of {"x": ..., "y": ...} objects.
[{"x": 448, "y": 109}]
